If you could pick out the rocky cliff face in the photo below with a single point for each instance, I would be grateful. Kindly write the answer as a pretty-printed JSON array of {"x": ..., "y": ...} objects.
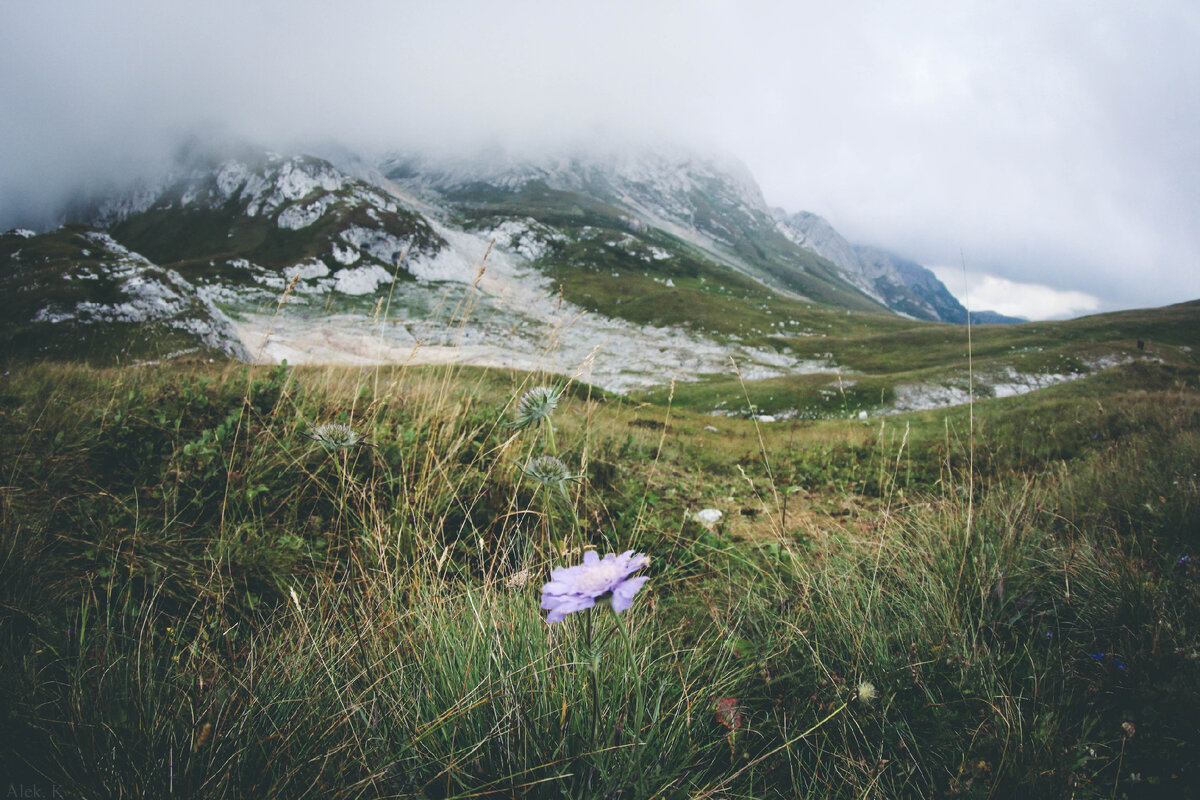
[
  {"x": 712, "y": 205},
  {"x": 904, "y": 286}
]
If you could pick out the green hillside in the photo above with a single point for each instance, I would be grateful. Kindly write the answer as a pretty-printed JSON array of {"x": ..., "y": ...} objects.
[
  {"x": 759, "y": 248},
  {"x": 75, "y": 294},
  {"x": 875, "y": 355},
  {"x": 197, "y": 598}
]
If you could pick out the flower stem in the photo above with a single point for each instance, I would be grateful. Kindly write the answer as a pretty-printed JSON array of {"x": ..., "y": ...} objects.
[
  {"x": 594, "y": 664},
  {"x": 547, "y": 510},
  {"x": 638, "y": 706}
]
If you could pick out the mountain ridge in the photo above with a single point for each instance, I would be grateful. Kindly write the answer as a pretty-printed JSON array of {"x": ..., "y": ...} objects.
[
  {"x": 638, "y": 269},
  {"x": 711, "y": 202}
]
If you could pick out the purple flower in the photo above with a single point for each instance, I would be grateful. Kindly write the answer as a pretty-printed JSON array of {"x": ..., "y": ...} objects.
[{"x": 597, "y": 579}]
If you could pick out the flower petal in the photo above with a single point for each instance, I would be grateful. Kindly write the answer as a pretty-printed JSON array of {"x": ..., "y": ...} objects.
[
  {"x": 567, "y": 605},
  {"x": 623, "y": 594},
  {"x": 632, "y": 562},
  {"x": 559, "y": 586}
]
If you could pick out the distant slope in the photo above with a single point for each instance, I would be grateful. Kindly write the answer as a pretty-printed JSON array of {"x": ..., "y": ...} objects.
[
  {"x": 903, "y": 285},
  {"x": 924, "y": 366},
  {"x": 627, "y": 271},
  {"x": 712, "y": 206},
  {"x": 304, "y": 261},
  {"x": 76, "y": 292}
]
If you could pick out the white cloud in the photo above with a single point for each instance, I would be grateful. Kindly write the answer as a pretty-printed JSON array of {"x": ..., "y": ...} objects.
[{"x": 1032, "y": 301}]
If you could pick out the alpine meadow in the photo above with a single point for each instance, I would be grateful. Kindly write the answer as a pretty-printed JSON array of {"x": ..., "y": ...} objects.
[{"x": 324, "y": 475}]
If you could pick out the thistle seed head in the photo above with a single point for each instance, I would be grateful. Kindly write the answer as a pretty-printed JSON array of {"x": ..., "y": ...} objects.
[
  {"x": 334, "y": 436},
  {"x": 550, "y": 472},
  {"x": 536, "y": 406}
]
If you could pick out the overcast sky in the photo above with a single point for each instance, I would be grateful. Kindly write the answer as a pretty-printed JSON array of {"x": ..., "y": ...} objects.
[{"x": 1054, "y": 147}]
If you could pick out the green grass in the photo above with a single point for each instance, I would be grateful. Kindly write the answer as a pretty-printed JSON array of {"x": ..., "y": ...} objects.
[
  {"x": 874, "y": 356},
  {"x": 751, "y": 243},
  {"x": 200, "y": 243},
  {"x": 58, "y": 270},
  {"x": 709, "y": 299},
  {"x": 197, "y": 600}
]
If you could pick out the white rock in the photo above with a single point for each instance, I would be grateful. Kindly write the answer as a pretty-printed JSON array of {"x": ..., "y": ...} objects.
[
  {"x": 232, "y": 175},
  {"x": 297, "y": 216},
  {"x": 307, "y": 270},
  {"x": 361, "y": 280},
  {"x": 379, "y": 244},
  {"x": 345, "y": 256},
  {"x": 296, "y": 182}
]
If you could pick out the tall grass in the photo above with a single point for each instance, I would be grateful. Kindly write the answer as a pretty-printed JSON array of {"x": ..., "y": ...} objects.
[{"x": 197, "y": 600}]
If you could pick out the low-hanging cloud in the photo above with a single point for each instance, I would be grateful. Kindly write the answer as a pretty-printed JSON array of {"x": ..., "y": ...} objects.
[
  {"x": 981, "y": 292},
  {"x": 1053, "y": 143}
]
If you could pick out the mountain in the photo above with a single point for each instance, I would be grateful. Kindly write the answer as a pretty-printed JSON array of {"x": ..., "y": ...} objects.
[
  {"x": 902, "y": 285},
  {"x": 309, "y": 263},
  {"x": 213, "y": 215},
  {"x": 625, "y": 268},
  {"x": 710, "y": 207},
  {"x": 246, "y": 221},
  {"x": 994, "y": 318}
]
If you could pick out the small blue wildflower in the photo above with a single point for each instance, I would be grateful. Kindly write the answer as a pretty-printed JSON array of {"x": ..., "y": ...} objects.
[
  {"x": 1120, "y": 664},
  {"x": 1183, "y": 562},
  {"x": 1098, "y": 656},
  {"x": 596, "y": 580},
  {"x": 1049, "y": 634}
]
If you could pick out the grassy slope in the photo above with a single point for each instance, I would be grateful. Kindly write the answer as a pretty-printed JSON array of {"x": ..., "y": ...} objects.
[
  {"x": 619, "y": 282},
  {"x": 878, "y": 354},
  {"x": 705, "y": 297},
  {"x": 200, "y": 243},
  {"x": 1011, "y": 618},
  {"x": 762, "y": 247},
  {"x": 44, "y": 272}
]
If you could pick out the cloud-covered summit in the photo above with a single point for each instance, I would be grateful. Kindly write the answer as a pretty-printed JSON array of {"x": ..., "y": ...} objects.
[{"x": 1046, "y": 143}]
